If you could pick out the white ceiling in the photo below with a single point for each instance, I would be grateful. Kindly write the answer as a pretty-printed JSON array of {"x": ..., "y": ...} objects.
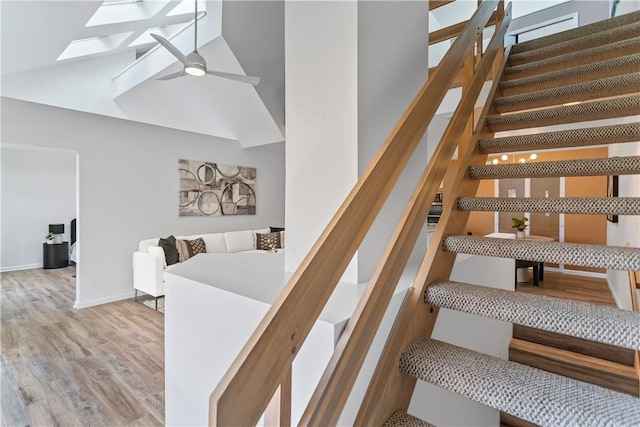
[{"x": 35, "y": 33}]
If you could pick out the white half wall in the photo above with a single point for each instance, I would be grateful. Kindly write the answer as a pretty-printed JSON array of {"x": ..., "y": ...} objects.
[
  {"x": 38, "y": 189},
  {"x": 128, "y": 186}
]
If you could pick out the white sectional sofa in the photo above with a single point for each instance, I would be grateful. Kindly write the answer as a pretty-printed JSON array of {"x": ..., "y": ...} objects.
[{"x": 149, "y": 262}]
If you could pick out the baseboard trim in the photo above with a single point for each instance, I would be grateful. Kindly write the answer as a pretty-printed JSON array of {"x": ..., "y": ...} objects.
[
  {"x": 20, "y": 267},
  {"x": 99, "y": 301}
]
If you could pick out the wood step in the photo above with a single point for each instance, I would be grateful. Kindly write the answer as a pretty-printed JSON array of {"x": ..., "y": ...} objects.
[
  {"x": 604, "y": 373},
  {"x": 567, "y": 76},
  {"x": 528, "y": 393},
  {"x": 566, "y": 205},
  {"x": 587, "y": 111},
  {"x": 573, "y": 59},
  {"x": 615, "y": 354},
  {"x": 598, "y": 323},
  {"x": 577, "y": 92},
  {"x": 584, "y": 30},
  {"x": 578, "y": 254},
  {"x": 628, "y": 165},
  {"x": 628, "y": 132},
  {"x": 589, "y": 41}
]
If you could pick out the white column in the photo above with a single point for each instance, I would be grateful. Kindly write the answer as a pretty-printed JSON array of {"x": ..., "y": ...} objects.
[
  {"x": 352, "y": 68},
  {"x": 321, "y": 103}
]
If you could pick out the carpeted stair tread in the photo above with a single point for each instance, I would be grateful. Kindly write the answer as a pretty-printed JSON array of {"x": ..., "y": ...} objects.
[
  {"x": 578, "y": 254},
  {"x": 567, "y": 205},
  {"x": 573, "y": 59},
  {"x": 566, "y": 76},
  {"x": 402, "y": 419},
  {"x": 628, "y": 132},
  {"x": 581, "y": 167},
  {"x": 583, "y": 91},
  {"x": 596, "y": 110},
  {"x": 598, "y": 323},
  {"x": 531, "y": 394},
  {"x": 578, "y": 32},
  {"x": 589, "y": 41}
]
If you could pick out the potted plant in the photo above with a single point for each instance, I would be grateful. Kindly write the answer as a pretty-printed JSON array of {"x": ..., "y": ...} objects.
[
  {"x": 520, "y": 224},
  {"x": 49, "y": 237}
]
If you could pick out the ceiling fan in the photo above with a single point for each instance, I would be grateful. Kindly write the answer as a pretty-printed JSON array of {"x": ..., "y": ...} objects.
[{"x": 194, "y": 63}]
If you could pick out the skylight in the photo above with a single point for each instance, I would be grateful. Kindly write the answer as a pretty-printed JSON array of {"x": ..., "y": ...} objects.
[
  {"x": 187, "y": 6},
  {"x": 116, "y": 11},
  {"x": 93, "y": 45},
  {"x": 166, "y": 31}
]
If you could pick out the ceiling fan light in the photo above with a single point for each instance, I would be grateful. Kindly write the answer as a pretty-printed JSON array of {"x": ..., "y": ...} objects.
[{"x": 195, "y": 70}]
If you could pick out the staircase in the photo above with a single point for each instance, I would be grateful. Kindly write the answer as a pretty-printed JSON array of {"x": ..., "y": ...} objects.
[
  {"x": 543, "y": 80},
  {"x": 589, "y": 73}
]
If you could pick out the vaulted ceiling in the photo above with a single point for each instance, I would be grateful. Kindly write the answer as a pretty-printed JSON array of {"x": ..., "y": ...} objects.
[{"x": 111, "y": 63}]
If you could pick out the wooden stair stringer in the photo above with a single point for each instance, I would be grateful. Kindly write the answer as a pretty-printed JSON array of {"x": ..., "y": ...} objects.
[{"x": 414, "y": 319}]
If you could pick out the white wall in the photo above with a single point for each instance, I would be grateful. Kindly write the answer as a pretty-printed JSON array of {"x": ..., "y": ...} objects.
[
  {"x": 38, "y": 189},
  {"x": 627, "y": 229},
  {"x": 489, "y": 336},
  {"x": 392, "y": 68},
  {"x": 321, "y": 101},
  {"x": 128, "y": 186},
  {"x": 348, "y": 84}
]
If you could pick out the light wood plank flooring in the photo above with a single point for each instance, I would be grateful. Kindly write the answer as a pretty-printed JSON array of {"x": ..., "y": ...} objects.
[
  {"x": 579, "y": 288},
  {"x": 99, "y": 366}
]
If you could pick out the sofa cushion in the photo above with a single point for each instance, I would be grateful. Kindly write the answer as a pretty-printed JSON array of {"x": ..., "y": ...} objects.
[
  {"x": 143, "y": 246},
  {"x": 157, "y": 251},
  {"x": 170, "y": 252},
  {"x": 267, "y": 241},
  {"x": 189, "y": 248},
  {"x": 238, "y": 241},
  {"x": 215, "y": 242}
]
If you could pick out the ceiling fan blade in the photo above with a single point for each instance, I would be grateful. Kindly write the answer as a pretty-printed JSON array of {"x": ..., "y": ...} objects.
[
  {"x": 244, "y": 79},
  {"x": 172, "y": 76},
  {"x": 171, "y": 48}
]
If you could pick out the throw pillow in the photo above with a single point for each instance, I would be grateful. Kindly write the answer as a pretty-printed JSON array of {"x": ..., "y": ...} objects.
[
  {"x": 189, "y": 248},
  {"x": 276, "y": 229},
  {"x": 282, "y": 239},
  {"x": 267, "y": 242},
  {"x": 170, "y": 252}
]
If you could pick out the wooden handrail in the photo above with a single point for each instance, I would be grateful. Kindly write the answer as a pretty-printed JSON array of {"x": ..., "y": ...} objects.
[
  {"x": 457, "y": 82},
  {"x": 452, "y": 31},
  {"x": 278, "y": 412},
  {"x": 246, "y": 389},
  {"x": 333, "y": 390}
]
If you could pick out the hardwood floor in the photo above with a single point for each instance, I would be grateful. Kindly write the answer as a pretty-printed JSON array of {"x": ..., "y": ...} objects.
[
  {"x": 579, "y": 288},
  {"x": 99, "y": 366}
]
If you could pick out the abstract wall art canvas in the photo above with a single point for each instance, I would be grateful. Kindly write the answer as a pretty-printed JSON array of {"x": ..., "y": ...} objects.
[{"x": 214, "y": 189}]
